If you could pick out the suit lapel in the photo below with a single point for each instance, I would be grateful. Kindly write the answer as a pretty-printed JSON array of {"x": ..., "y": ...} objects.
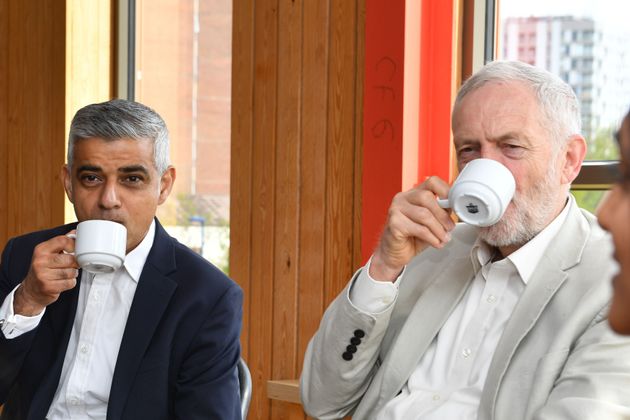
[
  {"x": 426, "y": 318},
  {"x": 564, "y": 252},
  {"x": 152, "y": 296}
]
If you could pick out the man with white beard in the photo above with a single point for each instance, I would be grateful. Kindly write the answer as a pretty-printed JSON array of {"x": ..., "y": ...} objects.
[{"x": 451, "y": 321}]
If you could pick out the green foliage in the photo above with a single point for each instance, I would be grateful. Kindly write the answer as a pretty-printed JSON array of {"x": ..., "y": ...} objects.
[
  {"x": 601, "y": 147},
  {"x": 189, "y": 206},
  {"x": 588, "y": 200}
]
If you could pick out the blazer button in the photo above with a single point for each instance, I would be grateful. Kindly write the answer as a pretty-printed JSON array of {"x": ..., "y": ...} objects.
[
  {"x": 359, "y": 333},
  {"x": 351, "y": 348},
  {"x": 356, "y": 341},
  {"x": 347, "y": 356}
]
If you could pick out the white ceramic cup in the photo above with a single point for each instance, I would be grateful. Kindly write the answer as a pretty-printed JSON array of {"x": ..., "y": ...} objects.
[
  {"x": 100, "y": 245},
  {"x": 481, "y": 193}
]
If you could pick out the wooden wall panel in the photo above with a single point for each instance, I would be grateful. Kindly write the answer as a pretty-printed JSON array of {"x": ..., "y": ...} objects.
[
  {"x": 297, "y": 82},
  {"x": 263, "y": 199},
  {"x": 286, "y": 262},
  {"x": 33, "y": 114},
  {"x": 241, "y": 152},
  {"x": 4, "y": 120},
  {"x": 340, "y": 151},
  {"x": 312, "y": 211}
]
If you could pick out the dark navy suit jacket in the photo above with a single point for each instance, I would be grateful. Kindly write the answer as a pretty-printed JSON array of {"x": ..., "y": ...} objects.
[{"x": 179, "y": 349}]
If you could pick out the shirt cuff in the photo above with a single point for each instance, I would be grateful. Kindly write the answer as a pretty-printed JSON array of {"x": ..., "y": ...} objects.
[
  {"x": 13, "y": 325},
  {"x": 372, "y": 296}
]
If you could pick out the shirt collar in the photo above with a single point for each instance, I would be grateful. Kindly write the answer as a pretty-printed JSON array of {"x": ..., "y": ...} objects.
[
  {"x": 481, "y": 254},
  {"x": 135, "y": 260},
  {"x": 527, "y": 257}
]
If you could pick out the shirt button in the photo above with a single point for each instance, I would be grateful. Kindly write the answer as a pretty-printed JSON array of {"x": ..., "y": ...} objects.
[
  {"x": 84, "y": 348},
  {"x": 466, "y": 353},
  {"x": 74, "y": 401},
  {"x": 436, "y": 397},
  {"x": 491, "y": 299}
]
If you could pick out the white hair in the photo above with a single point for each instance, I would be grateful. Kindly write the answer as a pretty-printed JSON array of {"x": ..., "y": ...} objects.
[{"x": 559, "y": 106}]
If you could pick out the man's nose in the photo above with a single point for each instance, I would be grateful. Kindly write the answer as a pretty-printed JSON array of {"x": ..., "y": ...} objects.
[{"x": 110, "y": 198}]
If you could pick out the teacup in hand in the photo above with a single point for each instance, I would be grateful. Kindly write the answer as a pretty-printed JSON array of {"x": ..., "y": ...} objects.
[
  {"x": 481, "y": 193},
  {"x": 100, "y": 245}
]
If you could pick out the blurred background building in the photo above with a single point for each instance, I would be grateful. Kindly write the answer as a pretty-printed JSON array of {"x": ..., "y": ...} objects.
[{"x": 593, "y": 58}]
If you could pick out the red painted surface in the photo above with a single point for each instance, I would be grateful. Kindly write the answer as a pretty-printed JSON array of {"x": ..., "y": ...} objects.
[
  {"x": 383, "y": 104},
  {"x": 382, "y": 114},
  {"x": 436, "y": 56}
]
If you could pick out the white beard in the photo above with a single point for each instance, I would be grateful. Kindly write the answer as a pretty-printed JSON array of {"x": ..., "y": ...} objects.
[{"x": 526, "y": 216}]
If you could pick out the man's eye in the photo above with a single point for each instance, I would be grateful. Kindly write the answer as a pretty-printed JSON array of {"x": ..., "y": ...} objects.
[
  {"x": 133, "y": 179},
  {"x": 466, "y": 153},
  {"x": 513, "y": 149},
  {"x": 89, "y": 178}
]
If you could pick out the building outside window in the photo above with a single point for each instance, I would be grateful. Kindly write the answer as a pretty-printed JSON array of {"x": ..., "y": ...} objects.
[
  {"x": 182, "y": 69},
  {"x": 584, "y": 43}
]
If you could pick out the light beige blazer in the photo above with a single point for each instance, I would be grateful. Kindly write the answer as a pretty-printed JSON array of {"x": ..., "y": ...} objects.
[{"x": 556, "y": 359}]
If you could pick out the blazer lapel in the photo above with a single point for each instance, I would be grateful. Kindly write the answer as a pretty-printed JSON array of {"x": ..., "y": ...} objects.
[
  {"x": 152, "y": 296},
  {"x": 564, "y": 252},
  {"x": 430, "y": 312}
]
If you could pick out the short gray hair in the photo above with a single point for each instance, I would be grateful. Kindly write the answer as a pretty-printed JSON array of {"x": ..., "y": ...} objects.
[
  {"x": 118, "y": 119},
  {"x": 559, "y": 106}
]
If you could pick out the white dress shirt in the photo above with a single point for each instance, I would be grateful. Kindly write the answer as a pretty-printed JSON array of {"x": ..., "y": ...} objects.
[
  {"x": 102, "y": 311},
  {"x": 449, "y": 379}
]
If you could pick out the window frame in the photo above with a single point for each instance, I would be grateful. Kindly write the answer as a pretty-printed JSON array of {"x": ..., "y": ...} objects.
[{"x": 125, "y": 49}]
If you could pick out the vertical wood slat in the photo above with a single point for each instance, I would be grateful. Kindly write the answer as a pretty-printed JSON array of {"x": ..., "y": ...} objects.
[
  {"x": 33, "y": 94},
  {"x": 263, "y": 200},
  {"x": 340, "y": 151},
  {"x": 313, "y": 171},
  {"x": 241, "y": 152},
  {"x": 4, "y": 130},
  {"x": 285, "y": 310},
  {"x": 15, "y": 148},
  {"x": 296, "y": 132}
]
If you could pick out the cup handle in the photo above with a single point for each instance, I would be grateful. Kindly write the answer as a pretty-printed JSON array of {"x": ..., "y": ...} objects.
[
  {"x": 73, "y": 236},
  {"x": 443, "y": 202}
]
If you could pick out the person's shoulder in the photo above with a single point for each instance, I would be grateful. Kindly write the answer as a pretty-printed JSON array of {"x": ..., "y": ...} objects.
[
  {"x": 196, "y": 272},
  {"x": 597, "y": 233},
  {"x": 598, "y": 245}
]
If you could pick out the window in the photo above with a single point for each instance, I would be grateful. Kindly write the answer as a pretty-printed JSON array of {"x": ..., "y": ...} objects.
[
  {"x": 592, "y": 34},
  {"x": 179, "y": 63}
]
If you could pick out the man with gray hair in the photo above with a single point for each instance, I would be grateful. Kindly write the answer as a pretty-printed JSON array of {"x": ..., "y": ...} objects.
[
  {"x": 157, "y": 338},
  {"x": 451, "y": 321}
]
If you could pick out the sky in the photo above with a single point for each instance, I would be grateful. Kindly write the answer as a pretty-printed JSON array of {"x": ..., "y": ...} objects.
[{"x": 616, "y": 12}]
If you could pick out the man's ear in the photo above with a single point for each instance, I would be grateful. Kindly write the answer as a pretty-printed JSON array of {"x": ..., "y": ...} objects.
[
  {"x": 573, "y": 152},
  {"x": 166, "y": 184},
  {"x": 66, "y": 178}
]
